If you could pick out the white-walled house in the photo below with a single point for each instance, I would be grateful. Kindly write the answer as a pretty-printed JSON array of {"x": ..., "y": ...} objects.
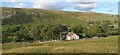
[{"x": 71, "y": 36}]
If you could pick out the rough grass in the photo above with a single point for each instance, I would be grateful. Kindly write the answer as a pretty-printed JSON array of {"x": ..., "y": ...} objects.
[{"x": 100, "y": 45}]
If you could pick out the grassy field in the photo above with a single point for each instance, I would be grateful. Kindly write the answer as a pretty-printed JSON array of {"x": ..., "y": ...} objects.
[{"x": 100, "y": 45}]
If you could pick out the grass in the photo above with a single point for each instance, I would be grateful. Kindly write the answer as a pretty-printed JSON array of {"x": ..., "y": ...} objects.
[{"x": 100, "y": 45}]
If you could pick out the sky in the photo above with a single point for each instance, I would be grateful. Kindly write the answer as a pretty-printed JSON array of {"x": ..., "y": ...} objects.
[{"x": 98, "y": 6}]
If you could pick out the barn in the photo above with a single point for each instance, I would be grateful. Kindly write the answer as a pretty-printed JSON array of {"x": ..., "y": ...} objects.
[{"x": 71, "y": 36}]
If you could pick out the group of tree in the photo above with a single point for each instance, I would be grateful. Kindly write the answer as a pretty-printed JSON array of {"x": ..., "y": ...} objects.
[
  {"x": 53, "y": 32},
  {"x": 98, "y": 29},
  {"x": 30, "y": 33}
]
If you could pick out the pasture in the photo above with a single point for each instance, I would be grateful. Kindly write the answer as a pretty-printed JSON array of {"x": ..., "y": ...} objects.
[{"x": 99, "y": 45}]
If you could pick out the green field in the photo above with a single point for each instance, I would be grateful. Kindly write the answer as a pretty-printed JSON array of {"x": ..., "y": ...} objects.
[{"x": 99, "y": 45}]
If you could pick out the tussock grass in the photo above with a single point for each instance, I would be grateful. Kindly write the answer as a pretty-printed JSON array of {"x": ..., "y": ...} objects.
[{"x": 100, "y": 45}]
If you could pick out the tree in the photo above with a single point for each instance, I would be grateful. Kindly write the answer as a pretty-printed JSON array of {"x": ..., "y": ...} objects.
[
  {"x": 53, "y": 31},
  {"x": 80, "y": 30},
  {"x": 23, "y": 34},
  {"x": 91, "y": 31},
  {"x": 45, "y": 33}
]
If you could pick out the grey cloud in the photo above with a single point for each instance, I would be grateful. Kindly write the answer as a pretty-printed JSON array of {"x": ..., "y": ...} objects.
[
  {"x": 85, "y": 6},
  {"x": 82, "y": 6}
]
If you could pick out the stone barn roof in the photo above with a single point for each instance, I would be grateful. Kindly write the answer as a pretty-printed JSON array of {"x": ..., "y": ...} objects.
[{"x": 70, "y": 34}]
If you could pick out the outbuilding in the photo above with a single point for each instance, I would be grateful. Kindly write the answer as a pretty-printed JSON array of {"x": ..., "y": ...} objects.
[{"x": 71, "y": 36}]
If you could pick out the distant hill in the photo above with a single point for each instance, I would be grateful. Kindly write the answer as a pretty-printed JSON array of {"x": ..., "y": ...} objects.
[{"x": 25, "y": 16}]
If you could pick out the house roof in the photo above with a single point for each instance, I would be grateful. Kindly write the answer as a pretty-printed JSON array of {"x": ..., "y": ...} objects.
[{"x": 70, "y": 34}]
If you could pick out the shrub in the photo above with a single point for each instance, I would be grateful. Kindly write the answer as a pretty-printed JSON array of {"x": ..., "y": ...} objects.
[{"x": 10, "y": 39}]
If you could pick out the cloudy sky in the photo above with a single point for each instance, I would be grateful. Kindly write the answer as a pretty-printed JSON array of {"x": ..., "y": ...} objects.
[{"x": 99, "y": 6}]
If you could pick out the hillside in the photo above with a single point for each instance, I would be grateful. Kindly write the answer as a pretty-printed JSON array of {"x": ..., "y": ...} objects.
[
  {"x": 22, "y": 24},
  {"x": 23, "y": 15}
]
